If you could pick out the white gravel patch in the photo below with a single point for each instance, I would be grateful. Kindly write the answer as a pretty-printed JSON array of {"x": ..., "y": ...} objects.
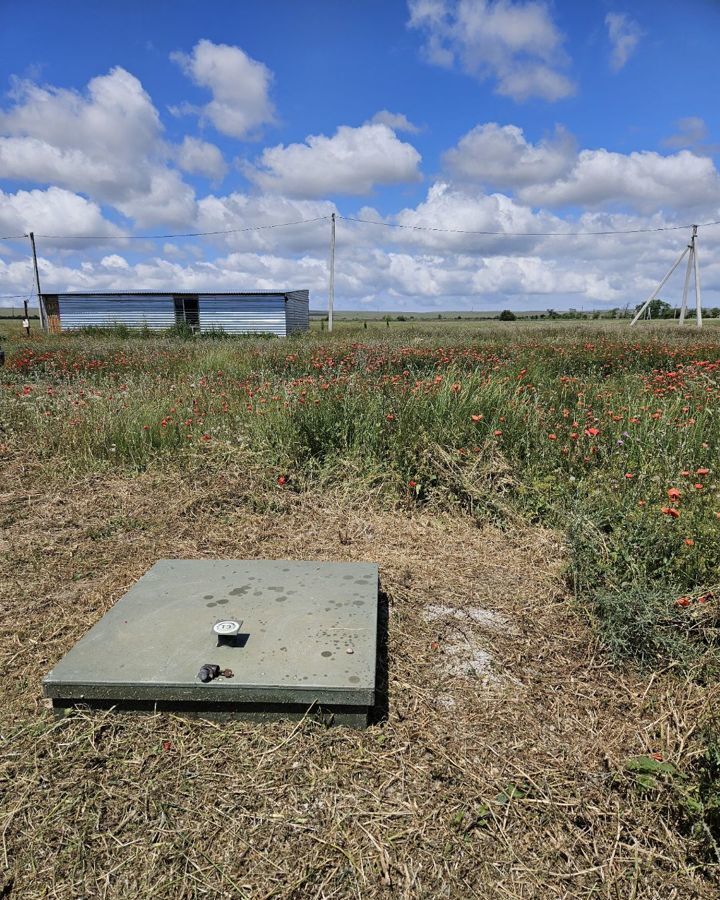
[{"x": 487, "y": 618}]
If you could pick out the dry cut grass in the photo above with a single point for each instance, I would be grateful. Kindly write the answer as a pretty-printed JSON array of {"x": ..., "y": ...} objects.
[{"x": 497, "y": 772}]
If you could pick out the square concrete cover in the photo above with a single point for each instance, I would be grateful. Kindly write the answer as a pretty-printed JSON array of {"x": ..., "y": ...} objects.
[{"x": 308, "y": 636}]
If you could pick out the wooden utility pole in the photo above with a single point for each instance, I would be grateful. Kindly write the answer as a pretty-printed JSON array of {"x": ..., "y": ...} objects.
[
  {"x": 331, "y": 284},
  {"x": 43, "y": 317}
]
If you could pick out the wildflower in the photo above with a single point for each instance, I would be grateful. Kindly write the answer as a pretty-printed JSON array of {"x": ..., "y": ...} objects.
[
  {"x": 629, "y": 475},
  {"x": 497, "y": 432},
  {"x": 592, "y": 432},
  {"x": 685, "y": 473},
  {"x": 674, "y": 494},
  {"x": 412, "y": 484},
  {"x": 683, "y": 601},
  {"x": 658, "y": 757},
  {"x": 642, "y": 502},
  {"x": 689, "y": 542},
  {"x": 390, "y": 417},
  {"x": 552, "y": 437},
  {"x": 282, "y": 480},
  {"x": 698, "y": 486},
  {"x": 670, "y": 511},
  {"x": 701, "y": 471},
  {"x": 206, "y": 437},
  {"x": 477, "y": 418}
]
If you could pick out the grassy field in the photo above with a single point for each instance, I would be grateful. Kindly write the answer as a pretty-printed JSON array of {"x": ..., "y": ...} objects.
[{"x": 543, "y": 503}]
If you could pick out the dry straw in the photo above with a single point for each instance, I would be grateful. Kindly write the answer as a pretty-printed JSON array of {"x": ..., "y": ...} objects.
[{"x": 499, "y": 781}]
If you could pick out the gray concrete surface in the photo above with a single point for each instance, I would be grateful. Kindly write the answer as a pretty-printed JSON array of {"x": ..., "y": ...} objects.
[{"x": 309, "y": 637}]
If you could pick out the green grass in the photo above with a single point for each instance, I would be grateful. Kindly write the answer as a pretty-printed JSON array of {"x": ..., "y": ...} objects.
[{"x": 579, "y": 428}]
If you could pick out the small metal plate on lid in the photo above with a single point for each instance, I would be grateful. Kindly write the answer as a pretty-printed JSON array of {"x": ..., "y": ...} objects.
[{"x": 227, "y": 628}]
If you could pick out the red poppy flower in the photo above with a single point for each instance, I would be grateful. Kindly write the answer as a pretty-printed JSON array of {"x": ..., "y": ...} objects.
[
  {"x": 670, "y": 511},
  {"x": 689, "y": 542},
  {"x": 497, "y": 432},
  {"x": 412, "y": 484},
  {"x": 629, "y": 475},
  {"x": 698, "y": 486},
  {"x": 702, "y": 471},
  {"x": 477, "y": 418},
  {"x": 674, "y": 494},
  {"x": 552, "y": 437},
  {"x": 683, "y": 601},
  {"x": 282, "y": 480},
  {"x": 592, "y": 432}
]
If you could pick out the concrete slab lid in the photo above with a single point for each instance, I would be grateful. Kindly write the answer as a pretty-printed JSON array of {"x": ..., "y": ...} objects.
[{"x": 310, "y": 627}]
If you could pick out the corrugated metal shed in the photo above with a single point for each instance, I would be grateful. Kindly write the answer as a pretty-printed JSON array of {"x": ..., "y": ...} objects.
[{"x": 261, "y": 312}]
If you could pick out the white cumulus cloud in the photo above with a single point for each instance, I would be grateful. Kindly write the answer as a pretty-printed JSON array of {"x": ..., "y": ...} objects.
[
  {"x": 201, "y": 158},
  {"x": 106, "y": 143},
  {"x": 53, "y": 211},
  {"x": 240, "y": 87},
  {"x": 552, "y": 173},
  {"x": 501, "y": 156},
  {"x": 644, "y": 180},
  {"x": 514, "y": 43},
  {"x": 352, "y": 161}
]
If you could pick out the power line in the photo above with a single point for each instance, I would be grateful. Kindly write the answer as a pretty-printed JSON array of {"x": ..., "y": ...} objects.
[
  {"x": 524, "y": 233},
  {"x": 430, "y": 228},
  {"x": 155, "y": 237}
]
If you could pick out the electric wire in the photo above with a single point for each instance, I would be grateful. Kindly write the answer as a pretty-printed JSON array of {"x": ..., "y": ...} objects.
[
  {"x": 156, "y": 237},
  {"x": 526, "y": 233},
  {"x": 429, "y": 228}
]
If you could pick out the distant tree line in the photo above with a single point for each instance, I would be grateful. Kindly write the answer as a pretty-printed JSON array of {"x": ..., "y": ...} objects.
[{"x": 657, "y": 309}]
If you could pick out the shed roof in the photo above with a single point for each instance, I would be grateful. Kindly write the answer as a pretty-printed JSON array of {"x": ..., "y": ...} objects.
[{"x": 122, "y": 293}]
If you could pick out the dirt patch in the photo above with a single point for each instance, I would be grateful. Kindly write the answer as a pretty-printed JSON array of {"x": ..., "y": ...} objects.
[{"x": 162, "y": 806}]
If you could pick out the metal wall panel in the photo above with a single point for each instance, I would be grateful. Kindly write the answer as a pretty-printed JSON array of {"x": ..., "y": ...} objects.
[
  {"x": 261, "y": 314},
  {"x": 297, "y": 311},
  {"x": 155, "y": 311}
]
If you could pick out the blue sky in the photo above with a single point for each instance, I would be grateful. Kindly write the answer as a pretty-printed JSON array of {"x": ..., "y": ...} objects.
[{"x": 130, "y": 118}]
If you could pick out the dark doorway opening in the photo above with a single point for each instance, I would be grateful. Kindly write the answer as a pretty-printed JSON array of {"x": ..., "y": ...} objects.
[{"x": 187, "y": 311}]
